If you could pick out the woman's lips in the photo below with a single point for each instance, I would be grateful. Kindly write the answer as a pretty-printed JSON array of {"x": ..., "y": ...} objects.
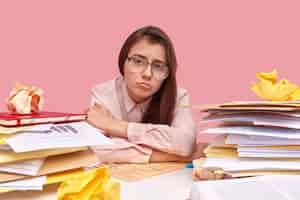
[{"x": 144, "y": 85}]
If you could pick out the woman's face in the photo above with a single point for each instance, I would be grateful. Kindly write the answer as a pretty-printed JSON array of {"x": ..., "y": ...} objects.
[{"x": 142, "y": 81}]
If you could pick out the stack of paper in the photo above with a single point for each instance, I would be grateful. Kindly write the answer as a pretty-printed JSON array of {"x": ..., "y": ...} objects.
[
  {"x": 253, "y": 138},
  {"x": 40, "y": 154},
  {"x": 273, "y": 187}
]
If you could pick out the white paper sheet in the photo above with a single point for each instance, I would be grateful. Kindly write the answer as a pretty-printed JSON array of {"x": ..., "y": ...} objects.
[
  {"x": 25, "y": 184},
  {"x": 268, "y": 154},
  {"x": 257, "y": 119},
  {"x": 29, "y": 167},
  {"x": 77, "y": 134},
  {"x": 35, "y": 128},
  {"x": 41, "y": 128},
  {"x": 260, "y": 140},
  {"x": 283, "y": 123},
  {"x": 266, "y": 150},
  {"x": 258, "y": 131},
  {"x": 280, "y": 187},
  {"x": 239, "y": 164}
]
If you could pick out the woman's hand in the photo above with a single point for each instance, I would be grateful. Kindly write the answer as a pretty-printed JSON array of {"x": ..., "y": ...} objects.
[
  {"x": 205, "y": 173},
  {"x": 208, "y": 173},
  {"x": 100, "y": 117}
]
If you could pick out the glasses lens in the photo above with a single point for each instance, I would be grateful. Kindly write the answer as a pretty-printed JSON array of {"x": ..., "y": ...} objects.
[
  {"x": 137, "y": 64},
  {"x": 160, "y": 70}
]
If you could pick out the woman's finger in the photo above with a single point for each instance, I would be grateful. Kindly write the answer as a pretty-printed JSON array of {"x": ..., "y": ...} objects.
[
  {"x": 208, "y": 173},
  {"x": 85, "y": 111},
  {"x": 98, "y": 106},
  {"x": 201, "y": 173},
  {"x": 196, "y": 174}
]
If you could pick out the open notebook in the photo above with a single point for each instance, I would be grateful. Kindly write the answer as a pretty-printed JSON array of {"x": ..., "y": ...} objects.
[{"x": 9, "y": 119}]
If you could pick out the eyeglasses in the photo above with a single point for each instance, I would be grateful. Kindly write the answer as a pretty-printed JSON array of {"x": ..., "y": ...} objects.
[{"x": 138, "y": 64}]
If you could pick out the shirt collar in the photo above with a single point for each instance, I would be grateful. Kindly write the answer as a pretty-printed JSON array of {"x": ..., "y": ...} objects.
[{"x": 129, "y": 103}]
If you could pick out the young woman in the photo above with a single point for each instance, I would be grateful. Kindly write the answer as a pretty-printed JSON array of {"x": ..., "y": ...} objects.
[{"x": 143, "y": 110}]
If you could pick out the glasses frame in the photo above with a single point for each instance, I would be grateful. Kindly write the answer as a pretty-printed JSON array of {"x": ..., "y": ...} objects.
[{"x": 145, "y": 66}]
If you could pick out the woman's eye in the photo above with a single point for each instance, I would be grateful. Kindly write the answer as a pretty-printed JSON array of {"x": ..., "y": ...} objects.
[
  {"x": 138, "y": 61},
  {"x": 157, "y": 66}
]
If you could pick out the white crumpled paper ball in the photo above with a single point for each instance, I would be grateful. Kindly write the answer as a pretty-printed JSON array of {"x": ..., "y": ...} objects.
[{"x": 25, "y": 99}]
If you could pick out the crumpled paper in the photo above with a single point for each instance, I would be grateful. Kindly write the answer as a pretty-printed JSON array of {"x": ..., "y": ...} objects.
[
  {"x": 91, "y": 185},
  {"x": 25, "y": 99},
  {"x": 269, "y": 88}
]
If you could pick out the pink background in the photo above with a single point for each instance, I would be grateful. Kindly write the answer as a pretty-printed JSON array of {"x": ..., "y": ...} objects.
[{"x": 66, "y": 47}]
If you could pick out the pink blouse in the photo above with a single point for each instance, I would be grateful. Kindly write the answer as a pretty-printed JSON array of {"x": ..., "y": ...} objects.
[{"x": 179, "y": 138}]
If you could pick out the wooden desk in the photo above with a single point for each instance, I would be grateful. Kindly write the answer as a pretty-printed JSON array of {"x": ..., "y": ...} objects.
[{"x": 173, "y": 185}]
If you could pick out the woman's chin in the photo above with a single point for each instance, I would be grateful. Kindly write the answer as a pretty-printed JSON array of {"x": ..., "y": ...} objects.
[{"x": 142, "y": 96}]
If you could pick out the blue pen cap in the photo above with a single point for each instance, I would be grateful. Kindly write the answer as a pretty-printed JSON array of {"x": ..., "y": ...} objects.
[{"x": 189, "y": 165}]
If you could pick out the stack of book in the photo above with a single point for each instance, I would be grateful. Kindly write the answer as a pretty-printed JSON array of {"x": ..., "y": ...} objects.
[
  {"x": 45, "y": 148},
  {"x": 253, "y": 138}
]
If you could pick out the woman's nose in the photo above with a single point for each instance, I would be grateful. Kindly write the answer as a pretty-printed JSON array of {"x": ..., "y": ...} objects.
[{"x": 148, "y": 72}]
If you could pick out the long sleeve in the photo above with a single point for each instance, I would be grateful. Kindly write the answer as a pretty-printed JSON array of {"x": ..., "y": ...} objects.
[
  {"x": 179, "y": 138},
  {"x": 122, "y": 150}
]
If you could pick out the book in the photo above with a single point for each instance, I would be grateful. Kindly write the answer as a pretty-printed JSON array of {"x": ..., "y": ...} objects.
[{"x": 14, "y": 120}]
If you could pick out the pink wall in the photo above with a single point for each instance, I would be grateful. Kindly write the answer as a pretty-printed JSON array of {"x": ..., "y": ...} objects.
[{"x": 66, "y": 47}]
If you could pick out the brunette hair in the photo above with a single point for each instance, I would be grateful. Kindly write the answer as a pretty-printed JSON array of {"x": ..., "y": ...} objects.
[{"x": 162, "y": 105}]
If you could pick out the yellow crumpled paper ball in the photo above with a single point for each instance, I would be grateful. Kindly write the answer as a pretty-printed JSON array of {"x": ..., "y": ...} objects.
[
  {"x": 91, "y": 185},
  {"x": 269, "y": 88},
  {"x": 25, "y": 99}
]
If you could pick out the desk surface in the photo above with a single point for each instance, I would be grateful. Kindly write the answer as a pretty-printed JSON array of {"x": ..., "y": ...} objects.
[
  {"x": 173, "y": 185},
  {"x": 275, "y": 187}
]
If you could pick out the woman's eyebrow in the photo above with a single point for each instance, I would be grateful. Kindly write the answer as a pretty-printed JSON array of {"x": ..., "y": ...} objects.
[
  {"x": 140, "y": 55},
  {"x": 145, "y": 57},
  {"x": 159, "y": 61}
]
